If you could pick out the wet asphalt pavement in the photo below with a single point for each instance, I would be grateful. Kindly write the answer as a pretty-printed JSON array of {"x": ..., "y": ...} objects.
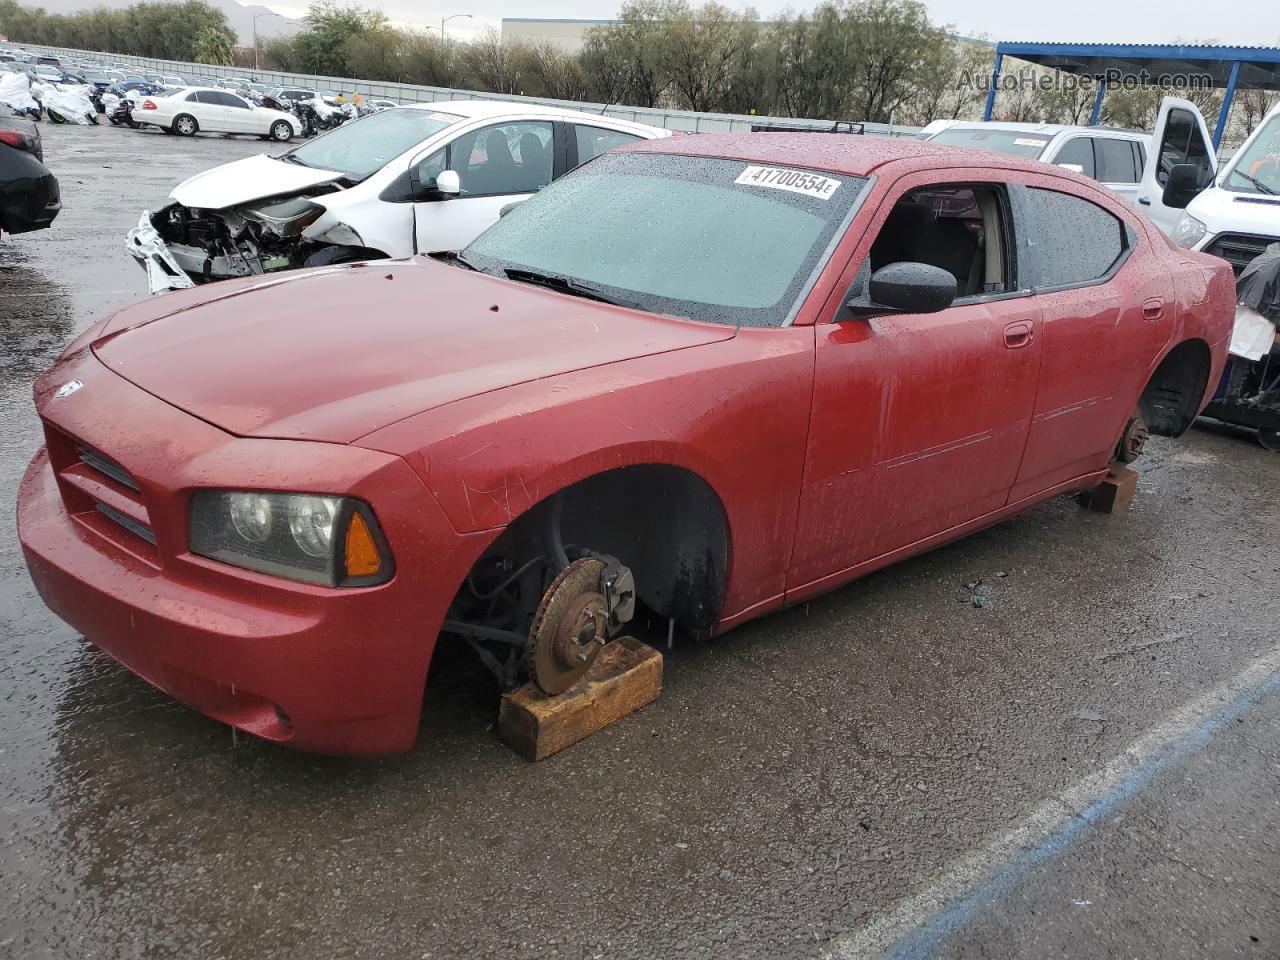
[{"x": 834, "y": 780}]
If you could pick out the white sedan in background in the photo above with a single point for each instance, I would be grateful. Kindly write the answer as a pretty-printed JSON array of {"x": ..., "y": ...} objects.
[
  {"x": 418, "y": 178},
  {"x": 194, "y": 110}
]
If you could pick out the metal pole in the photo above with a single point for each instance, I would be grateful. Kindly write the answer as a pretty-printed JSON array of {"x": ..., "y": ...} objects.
[
  {"x": 1097, "y": 103},
  {"x": 1221, "y": 128},
  {"x": 995, "y": 79}
]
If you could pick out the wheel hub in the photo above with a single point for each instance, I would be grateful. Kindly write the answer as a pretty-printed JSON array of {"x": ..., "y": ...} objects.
[{"x": 1132, "y": 441}]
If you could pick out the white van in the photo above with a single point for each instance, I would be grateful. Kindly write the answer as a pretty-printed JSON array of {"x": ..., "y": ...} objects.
[
  {"x": 1238, "y": 214},
  {"x": 1134, "y": 164}
]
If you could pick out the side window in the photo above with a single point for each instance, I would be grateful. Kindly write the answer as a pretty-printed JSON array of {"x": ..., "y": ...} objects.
[
  {"x": 231, "y": 100},
  {"x": 511, "y": 158},
  {"x": 1183, "y": 143},
  {"x": 431, "y": 167},
  {"x": 193, "y": 97},
  {"x": 593, "y": 141},
  {"x": 958, "y": 228},
  {"x": 1079, "y": 151},
  {"x": 1115, "y": 161},
  {"x": 1071, "y": 240}
]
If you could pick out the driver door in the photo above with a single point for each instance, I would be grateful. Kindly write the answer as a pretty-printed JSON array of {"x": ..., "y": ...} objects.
[
  {"x": 497, "y": 165},
  {"x": 1180, "y": 136},
  {"x": 919, "y": 420}
]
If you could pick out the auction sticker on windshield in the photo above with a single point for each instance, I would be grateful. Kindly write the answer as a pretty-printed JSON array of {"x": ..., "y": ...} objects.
[{"x": 796, "y": 181}]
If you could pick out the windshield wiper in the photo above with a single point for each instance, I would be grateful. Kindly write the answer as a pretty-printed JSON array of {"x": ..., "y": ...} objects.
[
  {"x": 575, "y": 288},
  {"x": 454, "y": 257},
  {"x": 292, "y": 158},
  {"x": 1262, "y": 187}
]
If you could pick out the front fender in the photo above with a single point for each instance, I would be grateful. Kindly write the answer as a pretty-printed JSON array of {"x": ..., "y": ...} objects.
[{"x": 735, "y": 413}]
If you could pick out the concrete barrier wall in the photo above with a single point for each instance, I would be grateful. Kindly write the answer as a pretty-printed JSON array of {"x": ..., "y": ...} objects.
[{"x": 684, "y": 120}]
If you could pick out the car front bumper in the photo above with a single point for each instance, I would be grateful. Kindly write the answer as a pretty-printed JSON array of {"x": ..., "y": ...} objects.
[{"x": 330, "y": 670}]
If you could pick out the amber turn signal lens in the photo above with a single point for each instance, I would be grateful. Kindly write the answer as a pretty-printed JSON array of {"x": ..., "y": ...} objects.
[{"x": 363, "y": 558}]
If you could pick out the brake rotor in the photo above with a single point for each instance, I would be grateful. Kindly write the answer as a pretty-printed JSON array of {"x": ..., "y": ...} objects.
[
  {"x": 569, "y": 628},
  {"x": 1133, "y": 440}
]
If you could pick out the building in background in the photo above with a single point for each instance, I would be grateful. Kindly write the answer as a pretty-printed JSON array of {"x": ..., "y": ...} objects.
[{"x": 567, "y": 35}]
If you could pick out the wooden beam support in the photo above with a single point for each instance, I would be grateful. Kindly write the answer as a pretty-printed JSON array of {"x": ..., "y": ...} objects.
[
  {"x": 1115, "y": 493},
  {"x": 625, "y": 676}
]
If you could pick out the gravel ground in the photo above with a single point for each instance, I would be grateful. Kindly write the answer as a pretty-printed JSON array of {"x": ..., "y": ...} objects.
[{"x": 799, "y": 781}]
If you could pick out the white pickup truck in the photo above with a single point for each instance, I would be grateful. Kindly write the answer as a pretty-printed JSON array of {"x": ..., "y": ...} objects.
[{"x": 1126, "y": 161}]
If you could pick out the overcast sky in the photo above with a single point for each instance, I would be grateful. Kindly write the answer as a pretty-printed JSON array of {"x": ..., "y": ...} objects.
[{"x": 1239, "y": 22}]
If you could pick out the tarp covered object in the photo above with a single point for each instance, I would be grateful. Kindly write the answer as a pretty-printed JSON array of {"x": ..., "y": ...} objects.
[{"x": 15, "y": 91}]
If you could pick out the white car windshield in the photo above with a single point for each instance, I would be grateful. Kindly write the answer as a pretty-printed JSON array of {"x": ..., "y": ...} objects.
[
  {"x": 1016, "y": 142},
  {"x": 1257, "y": 169},
  {"x": 366, "y": 145}
]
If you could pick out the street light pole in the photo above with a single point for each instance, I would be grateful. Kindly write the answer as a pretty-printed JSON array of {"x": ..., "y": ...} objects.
[
  {"x": 265, "y": 13},
  {"x": 453, "y": 16}
]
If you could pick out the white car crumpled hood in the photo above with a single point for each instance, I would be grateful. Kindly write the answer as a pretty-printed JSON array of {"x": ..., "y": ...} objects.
[{"x": 249, "y": 179}]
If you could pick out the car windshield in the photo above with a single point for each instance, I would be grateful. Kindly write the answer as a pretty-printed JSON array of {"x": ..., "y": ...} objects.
[
  {"x": 1257, "y": 169},
  {"x": 722, "y": 241},
  {"x": 1016, "y": 142},
  {"x": 365, "y": 146}
]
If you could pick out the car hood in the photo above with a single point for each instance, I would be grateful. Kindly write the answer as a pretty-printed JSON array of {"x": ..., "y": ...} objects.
[
  {"x": 337, "y": 353},
  {"x": 1229, "y": 211},
  {"x": 249, "y": 179}
]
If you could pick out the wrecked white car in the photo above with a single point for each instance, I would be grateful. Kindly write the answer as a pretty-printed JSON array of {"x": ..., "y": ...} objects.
[{"x": 417, "y": 178}]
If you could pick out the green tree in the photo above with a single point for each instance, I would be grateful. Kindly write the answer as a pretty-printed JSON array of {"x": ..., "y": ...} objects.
[
  {"x": 213, "y": 47},
  {"x": 324, "y": 47}
]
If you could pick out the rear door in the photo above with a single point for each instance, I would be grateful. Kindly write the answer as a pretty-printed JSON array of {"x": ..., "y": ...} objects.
[
  {"x": 1097, "y": 323},
  {"x": 209, "y": 111},
  {"x": 240, "y": 117},
  {"x": 1180, "y": 136}
]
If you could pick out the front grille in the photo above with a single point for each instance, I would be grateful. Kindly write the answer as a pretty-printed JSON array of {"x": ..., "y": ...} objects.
[
  {"x": 1239, "y": 249},
  {"x": 101, "y": 495},
  {"x": 112, "y": 469}
]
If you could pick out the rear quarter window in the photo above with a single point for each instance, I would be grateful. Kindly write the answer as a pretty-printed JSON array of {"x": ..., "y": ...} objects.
[{"x": 1069, "y": 241}]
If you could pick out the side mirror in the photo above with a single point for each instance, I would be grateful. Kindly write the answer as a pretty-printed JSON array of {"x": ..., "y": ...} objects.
[
  {"x": 448, "y": 183},
  {"x": 907, "y": 288},
  {"x": 1182, "y": 186}
]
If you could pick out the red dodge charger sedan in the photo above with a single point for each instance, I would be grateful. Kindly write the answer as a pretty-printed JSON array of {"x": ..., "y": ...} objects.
[{"x": 710, "y": 375}]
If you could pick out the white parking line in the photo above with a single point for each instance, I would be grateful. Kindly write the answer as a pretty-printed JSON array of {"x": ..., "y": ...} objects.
[{"x": 920, "y": 922}]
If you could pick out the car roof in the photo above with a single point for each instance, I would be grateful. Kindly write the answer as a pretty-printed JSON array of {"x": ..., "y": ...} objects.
[
  {"x": 482, "y": 109},
  {"x": 1049, "y": 129},
  {"x": 851, "y": 154}
]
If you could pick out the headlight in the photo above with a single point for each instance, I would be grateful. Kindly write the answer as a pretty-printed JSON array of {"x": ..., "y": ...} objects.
[
  {"x": 1188, "y": 231},
  {"x": 333, "y": 541}
]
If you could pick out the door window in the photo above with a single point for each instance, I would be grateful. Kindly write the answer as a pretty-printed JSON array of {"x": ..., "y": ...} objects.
[
  {"x": 958, "y": 228},
  {"x": 593, "y": 141},
  {"x": 511, "y": 158},
  {"x": 1183, "y": 143},
  {"x": 231, "y": 100},
  {"x": 1116, "y": 161},
  {"x": 1071, "y": 241},
  {"x": 1079, "y": 151}
]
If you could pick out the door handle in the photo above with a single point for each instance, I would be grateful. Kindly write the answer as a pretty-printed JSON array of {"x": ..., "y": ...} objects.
[
  {"x": 1153, "y": 308},
  {"x": 1019, "y": 334},
  {"x": 1145, "y": 201}
]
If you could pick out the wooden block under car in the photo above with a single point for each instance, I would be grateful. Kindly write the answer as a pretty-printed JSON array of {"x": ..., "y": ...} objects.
[
  {"x": 1114, "y": 494},
  {"x": 626, "y": 675}
]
